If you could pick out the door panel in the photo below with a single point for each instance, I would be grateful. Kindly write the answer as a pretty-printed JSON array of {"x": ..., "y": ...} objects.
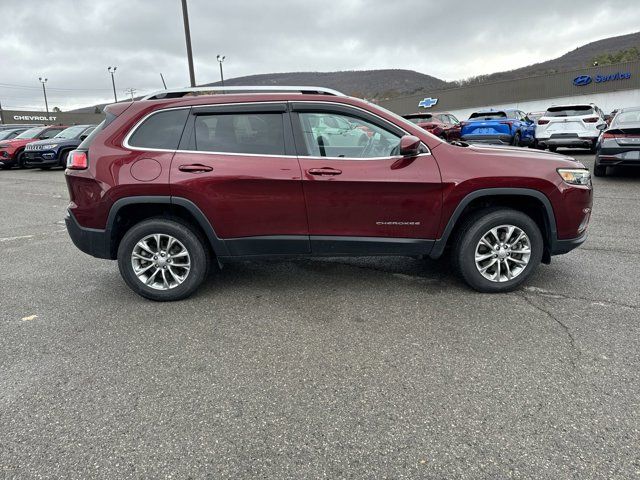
[
  {"x": 392, "y": 197},
  {"x": 244, "y": 194}
]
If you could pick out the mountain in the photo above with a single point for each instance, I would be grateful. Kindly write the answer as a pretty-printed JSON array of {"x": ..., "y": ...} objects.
[
  {"x": 360, "y": 83},
  {"x": 581, "y": 57},
  {"x": 390, "y": 83}
]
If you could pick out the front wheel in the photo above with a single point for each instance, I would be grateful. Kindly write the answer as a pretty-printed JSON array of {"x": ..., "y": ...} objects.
[
  {"x": 163, "y": 260},
  {"x": 516, "y": 139},
  {"x": 497, "y": 250},
  {"x": 552, "y": 148},
  {"x": 599, "y": 170}
]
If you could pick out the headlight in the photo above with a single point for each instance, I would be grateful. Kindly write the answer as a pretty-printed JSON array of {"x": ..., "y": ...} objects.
[
  {"x": 49, "y": 147},
  {"x": 575, "y": 176}
]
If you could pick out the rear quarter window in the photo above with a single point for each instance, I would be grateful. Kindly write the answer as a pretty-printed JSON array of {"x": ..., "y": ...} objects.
[{"x": 161, "y": 130}]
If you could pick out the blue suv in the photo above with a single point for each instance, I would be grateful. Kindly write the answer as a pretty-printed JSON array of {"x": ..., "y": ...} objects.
[
  {"x": 502, "y": 127},
  {"x": 53, "y": 152}
]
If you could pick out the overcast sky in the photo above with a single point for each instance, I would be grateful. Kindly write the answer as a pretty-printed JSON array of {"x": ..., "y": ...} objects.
[{"x": 71, "y": 42}]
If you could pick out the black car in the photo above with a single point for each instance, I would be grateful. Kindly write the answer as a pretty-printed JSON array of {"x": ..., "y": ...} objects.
[
  {"x": 54, "y": 151},
  {"x": 619, "y": 144}
]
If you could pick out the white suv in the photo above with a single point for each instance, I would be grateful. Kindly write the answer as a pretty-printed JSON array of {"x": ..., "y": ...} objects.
[{"x": 570, "y": 126}]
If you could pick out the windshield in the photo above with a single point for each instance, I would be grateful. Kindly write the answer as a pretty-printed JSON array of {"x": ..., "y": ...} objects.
[
  {"x": 488, "y": 115},
  {"x": 422, "y": 119},
  {"x": 71, "y": 132},
  {"x": 31, "y": 133},
  {"x": 572, "y": 111},
  {"x": 7, "y": 134},
  {"x": 627, "y": 117}
]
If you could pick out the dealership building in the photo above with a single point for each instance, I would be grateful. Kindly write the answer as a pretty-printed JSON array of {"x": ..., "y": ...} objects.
[
  {"x": 52, "y": 118},
  {"x": 609, "y": 87}
]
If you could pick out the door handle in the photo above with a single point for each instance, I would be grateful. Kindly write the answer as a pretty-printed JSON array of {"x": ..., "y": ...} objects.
[
  {"x": 324, "y": 171},
  {"x": 195, "y": 168}
]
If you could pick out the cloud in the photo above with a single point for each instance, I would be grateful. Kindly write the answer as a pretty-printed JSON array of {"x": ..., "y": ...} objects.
[{"x": 72, "y": 42}]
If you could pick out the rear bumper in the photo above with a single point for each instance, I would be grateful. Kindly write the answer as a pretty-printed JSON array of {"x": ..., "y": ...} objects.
[
  {"x": 629, "y": 158},
  {"x": 499, "y": 139},
  {"x": 90, "y": 240},
  {"x": 568, "y": 140}
]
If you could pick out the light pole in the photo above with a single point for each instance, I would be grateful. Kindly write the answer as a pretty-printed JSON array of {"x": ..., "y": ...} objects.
[
  {"x": 187, "y": 36},
  {"x": 44, "y": 91},
  {"x": 112, "y": 70},
  {"x": 220, "y": 59}
]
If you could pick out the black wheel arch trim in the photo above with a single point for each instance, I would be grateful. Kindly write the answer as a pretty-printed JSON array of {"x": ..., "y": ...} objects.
[
  {"x": 218, "y": 245},
  {"x": 552, "y": 236}
]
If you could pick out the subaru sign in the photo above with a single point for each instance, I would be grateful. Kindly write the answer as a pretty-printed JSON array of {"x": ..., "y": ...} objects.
[
  {"x": 427, "y": 102},
  {"x": 582, "y": 80}
]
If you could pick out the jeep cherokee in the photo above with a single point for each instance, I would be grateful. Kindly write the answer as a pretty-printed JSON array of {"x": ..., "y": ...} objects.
[{"x": 179, "y": 180}]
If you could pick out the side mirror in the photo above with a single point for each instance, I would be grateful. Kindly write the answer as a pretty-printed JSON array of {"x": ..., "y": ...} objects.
[
  {"x": 409, "y": 146},
  {"x": 602, "y": 127}
]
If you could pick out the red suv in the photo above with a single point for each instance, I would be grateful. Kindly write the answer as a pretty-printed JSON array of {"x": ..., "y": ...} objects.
[
  {"x": 175, "y": 182},
  {"x": 442, "y": 124}
]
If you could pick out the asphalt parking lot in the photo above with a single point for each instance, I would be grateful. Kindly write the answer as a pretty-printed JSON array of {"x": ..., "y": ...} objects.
[{"x": 332, "y": 368}]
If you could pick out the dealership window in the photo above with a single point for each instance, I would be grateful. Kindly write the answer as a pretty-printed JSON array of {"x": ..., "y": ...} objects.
[
  {"x": 251, "y": 133},
  {"x": 161, "y": 130},
  {"x": 336, "y": 135}
]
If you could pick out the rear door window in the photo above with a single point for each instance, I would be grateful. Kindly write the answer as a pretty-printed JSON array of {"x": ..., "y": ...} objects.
[
  {"x": 256, "y": 133},
  {"x": 160, "y": 131}
]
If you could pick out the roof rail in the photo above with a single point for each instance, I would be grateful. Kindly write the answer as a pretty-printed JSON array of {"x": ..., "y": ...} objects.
[{"x": 181, "y": 92}]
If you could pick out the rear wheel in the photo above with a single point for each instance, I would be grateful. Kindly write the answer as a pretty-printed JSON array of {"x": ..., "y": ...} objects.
[
  {"x": 516, "y": 139},
  {"x": 163, "y": 260},
  {"x": 497, "y": 250},
  {"x": 599, "y": 170}
]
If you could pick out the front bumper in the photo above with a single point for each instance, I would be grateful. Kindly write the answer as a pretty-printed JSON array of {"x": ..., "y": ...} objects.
[
  {"x": 560, "y": 247},
  {"x": 90, "y": 240},
  {"x": 498, "y": 139},
  {"x": 41, "y": 158}
]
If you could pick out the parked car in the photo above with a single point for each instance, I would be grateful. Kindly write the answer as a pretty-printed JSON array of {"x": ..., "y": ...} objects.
[
  {"x": 11, "y": 126},
  {"x": 54, "y": 151},
  {"x": 574, "y": 126},
  {"x": 12, "y": 151},
  {"x": 175, "y": 183},
  {"x": 9, "y": 133},
  {"x": 502, "y": 127},
  {"x": 441, "y": 124},
  {"x": 337, "y": 132},
  {"x": 619, "y": 144}
]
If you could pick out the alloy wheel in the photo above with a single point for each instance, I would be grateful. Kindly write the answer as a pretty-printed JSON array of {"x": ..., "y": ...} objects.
[
  {"x": 161, "y": 261},
  {"x": 503, "y": 253}
]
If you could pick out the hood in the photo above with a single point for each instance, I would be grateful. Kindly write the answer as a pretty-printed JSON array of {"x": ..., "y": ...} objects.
[
  {"x": 526, "y": 154},
  {"x": 57, "y": 141},
  {"x": 16, "y": 142}
]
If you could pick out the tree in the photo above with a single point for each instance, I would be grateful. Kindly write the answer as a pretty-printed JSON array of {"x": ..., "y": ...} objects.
[
  {"x": 57, "y": 109},
  {"x": 97, "y": 110}
]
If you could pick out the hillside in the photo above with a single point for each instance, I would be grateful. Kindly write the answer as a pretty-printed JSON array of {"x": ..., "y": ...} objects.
[
  {"x": 398, "y": 82},
  {"x": 579, "y": 58},
  {"x": 364, "y": 83}
]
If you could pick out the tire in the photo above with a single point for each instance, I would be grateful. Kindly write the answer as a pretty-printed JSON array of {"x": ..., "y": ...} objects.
[
  {"x": 599, "y": 170},
  {"x": 552, "y": 148},
  {"x": 188, "y": 240},
  {"x": 63, "y": 159},
  {"x": 516, "y": 140},
  {"x": 593, "y": 148},
  {"x": 467, "y": 243},
  {"x": 20, "y": 160}
]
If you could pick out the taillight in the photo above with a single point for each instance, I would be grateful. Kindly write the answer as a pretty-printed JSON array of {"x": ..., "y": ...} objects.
[
  {"x": 590, "y": 120},
  {"x": 608, "y": 135},
  {"x": 77, "y": 160},
  {"x": 543, "y": 122}
]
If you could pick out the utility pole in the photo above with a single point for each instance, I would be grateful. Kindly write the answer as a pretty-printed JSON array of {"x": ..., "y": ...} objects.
[
  {"x": 44, "y": 91},
  {"x": 1, "y": 117},
  {"x": 163, "y": 82},
  {"x": 131, "y": 91},
  {"x": 220, "y": 59},
  {"x": 112, "y": 70},
  {"x": 187, "y": 36}
]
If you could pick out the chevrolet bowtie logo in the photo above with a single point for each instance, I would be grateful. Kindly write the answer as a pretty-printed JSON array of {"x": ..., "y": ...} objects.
[{"x": 428, "y": 102}]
